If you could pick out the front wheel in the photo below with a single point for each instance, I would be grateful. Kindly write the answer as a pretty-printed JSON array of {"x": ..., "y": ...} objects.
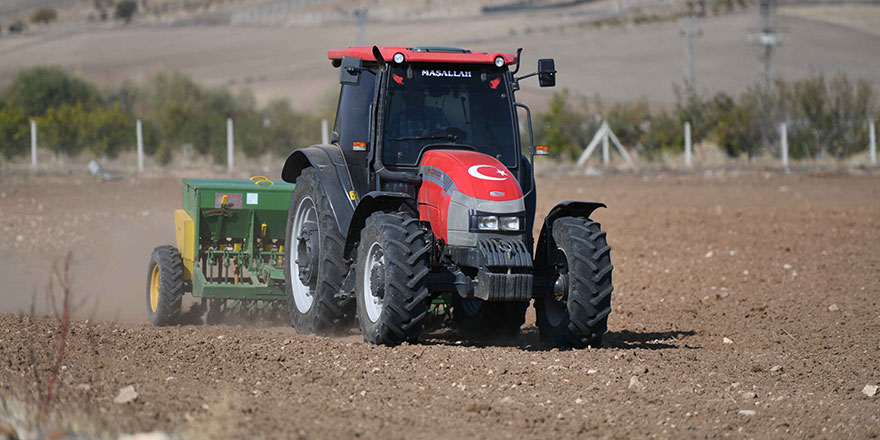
[
  {"x": 391, "y": 289},
  {"x": 576, "y": 314}
]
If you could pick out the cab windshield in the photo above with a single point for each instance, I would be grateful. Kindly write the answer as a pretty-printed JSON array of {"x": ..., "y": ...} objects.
[{"x": 447, "y": 105}]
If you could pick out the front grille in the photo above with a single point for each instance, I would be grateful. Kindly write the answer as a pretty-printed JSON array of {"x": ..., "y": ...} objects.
[{"x": 504, "y": 253}]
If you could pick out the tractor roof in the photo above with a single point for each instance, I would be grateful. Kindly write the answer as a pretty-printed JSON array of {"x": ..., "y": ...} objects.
[{"x": 423, "y": 54}]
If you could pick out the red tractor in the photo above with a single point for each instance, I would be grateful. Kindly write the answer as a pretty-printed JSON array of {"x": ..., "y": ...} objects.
[{"x": 423, "y": 203}]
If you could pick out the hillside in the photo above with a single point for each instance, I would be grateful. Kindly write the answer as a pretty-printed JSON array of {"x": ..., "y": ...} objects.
[{"x": 619, "y": 62}]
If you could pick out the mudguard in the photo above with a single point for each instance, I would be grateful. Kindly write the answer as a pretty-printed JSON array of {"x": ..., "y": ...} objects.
[
  {"x": 564, "y": 209},
  {"x": 333, "y": 174},
  {"x": 528, "y": 188},
  {"x": 371, "y": 202}
]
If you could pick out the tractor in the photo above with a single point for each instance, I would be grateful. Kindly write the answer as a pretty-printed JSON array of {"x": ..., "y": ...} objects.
[{"x": 423, "y": 204}]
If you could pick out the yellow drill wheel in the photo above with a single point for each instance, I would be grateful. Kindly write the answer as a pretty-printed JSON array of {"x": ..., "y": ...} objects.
[{"x": 154, "y": 288}]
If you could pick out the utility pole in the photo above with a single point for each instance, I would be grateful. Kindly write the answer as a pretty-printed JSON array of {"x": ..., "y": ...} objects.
[
  {"x": 767, "y": 40},
  {"x": 361, "y": 16},
  {"x": 689, "y": 31}
]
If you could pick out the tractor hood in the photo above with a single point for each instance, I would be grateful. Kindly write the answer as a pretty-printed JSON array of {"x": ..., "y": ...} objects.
[
  {"x": 458, "y": 185},
  {"x": 473, "y": 174}
]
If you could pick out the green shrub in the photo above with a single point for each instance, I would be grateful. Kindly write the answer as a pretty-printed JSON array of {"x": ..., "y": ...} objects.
[
  {"x": 703, "y": 113},
  {"x": 827, "y": 116},
  {"x": 125, "y": 10},
  {"x": 732, "y": 132},
  {"x": 13, "y": 130},
  {"x": 64, "y": 130},
  {"x": 565, "y": 128},
  {"x": 40, "y": 88},
  {"x": 665, "y": 134},
  {"x": 102, "y": 6},
  {"x": 109, "y": 131},
  {"x": 16, "y": 27},
  {"x": 164, "y": 153},
  {"x": 629, "y": 121}
]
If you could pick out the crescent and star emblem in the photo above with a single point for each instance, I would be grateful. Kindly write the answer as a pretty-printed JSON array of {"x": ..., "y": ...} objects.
[{"x": 475, "y": 171}]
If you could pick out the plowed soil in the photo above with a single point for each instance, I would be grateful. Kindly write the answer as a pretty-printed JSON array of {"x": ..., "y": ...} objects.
[{"x": 745, "y": 305}]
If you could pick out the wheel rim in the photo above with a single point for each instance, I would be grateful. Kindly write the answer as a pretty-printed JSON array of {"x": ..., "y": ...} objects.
[
  {"x": 375, "y": 263},
  {"x": 555, "y": 306},
  {"x": 303, "y": 295},
  {"x": 154, "y": 288}
]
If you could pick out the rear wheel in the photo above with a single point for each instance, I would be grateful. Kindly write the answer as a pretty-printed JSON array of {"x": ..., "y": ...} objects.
[
  {"x": 576, "y": 314},
  {"x": 164, "y": 286},
  {"x": 315, "y": 267},
  {"x": 391, "y": 289}
]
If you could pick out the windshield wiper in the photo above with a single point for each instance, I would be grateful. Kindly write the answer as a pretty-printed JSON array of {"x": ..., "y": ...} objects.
[{"x": 451, "y": 137}]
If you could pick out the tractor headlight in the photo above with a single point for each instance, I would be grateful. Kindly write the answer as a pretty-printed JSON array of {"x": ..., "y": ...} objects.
[
  {"x": 499, "y": 61},
  {"x": 508, "y": 223},
  {"x": 496, "y": 223},
  {"x": 487, "y": 222}
]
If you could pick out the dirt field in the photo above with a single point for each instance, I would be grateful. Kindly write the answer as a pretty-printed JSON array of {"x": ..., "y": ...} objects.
[{"x": 745, "y": 305}]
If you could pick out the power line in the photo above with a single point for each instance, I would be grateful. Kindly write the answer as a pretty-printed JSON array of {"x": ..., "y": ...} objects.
[
  {"x": 361, "y": 16},
  {"x": 767, "y": 38},
  {"x": 689, "y": 31}
]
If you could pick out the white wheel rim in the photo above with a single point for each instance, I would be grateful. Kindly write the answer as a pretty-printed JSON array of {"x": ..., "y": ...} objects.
[
  {"x": 303, "y": 296},
  {"x": 372, "y": 303},
  {"x": 556, "y": 310}
]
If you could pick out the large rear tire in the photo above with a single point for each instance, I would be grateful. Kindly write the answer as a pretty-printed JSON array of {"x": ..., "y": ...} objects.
[
  {"x": 315, "y": 267},
  {"x": 391, "y": 289},
  {"x": 164, "y": 286},
  {"x": 576, "y": 315}
]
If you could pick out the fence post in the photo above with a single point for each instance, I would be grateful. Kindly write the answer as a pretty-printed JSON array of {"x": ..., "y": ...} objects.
[
  {"x": 687, "y": 145},
  {"x": 230, "y": 147},
  {"x": 605, "y": 152},
  {"x": 783, "y": 143},
  {"x": 325, "y": 135},
  {"x": 33, "y": 144},
  {"x": 140, "y": 144},
  {"x": 872, "y": 134}
]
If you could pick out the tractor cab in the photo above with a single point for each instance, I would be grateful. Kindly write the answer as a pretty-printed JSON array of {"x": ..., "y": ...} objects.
[{"x": 397, "y": 103}]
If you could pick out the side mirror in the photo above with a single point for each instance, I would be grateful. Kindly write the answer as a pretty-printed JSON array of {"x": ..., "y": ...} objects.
[
  {"x": 546, "y": 72},
  {"x": 350, "y": 72}
]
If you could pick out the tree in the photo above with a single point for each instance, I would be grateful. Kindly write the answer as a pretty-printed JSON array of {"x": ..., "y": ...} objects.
[
  {"x": 44, "y": 16},
  {"x": 64, "y": 130},
  {"x": 629, "y": 122},
  {"x": 108, "y": 131},
  {"x": 13, "y": 130},
  {"x": 563, "y": 128},
  {"x": 125, "y": 10},
  {"x": 102, "y": 6},
  {"x": 40, "y": 88},
  {"x": 16, "y": 27},
  {"x": 732, "y": 131}
]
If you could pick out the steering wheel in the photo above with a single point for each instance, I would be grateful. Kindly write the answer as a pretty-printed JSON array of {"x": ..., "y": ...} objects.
[{"x": 459, "y": 134}]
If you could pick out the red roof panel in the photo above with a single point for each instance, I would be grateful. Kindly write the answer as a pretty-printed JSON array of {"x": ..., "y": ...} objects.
[{"x": 366, "y": 53}]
